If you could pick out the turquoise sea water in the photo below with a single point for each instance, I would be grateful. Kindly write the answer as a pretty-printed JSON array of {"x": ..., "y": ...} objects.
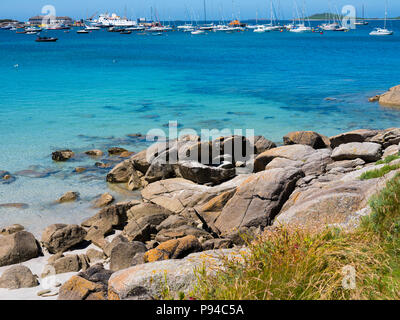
[{"x": 91, "y": 90}]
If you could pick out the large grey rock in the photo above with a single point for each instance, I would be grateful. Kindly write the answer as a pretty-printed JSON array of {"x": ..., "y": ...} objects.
[
  {"x": 202, "y": 174},
  {"x": 341, "y": 202},
  {"x": 387, "y": 137},
  {"x": 258, "y": 200},
  {"x": 18, "y": 277},
  {"x": 361, "y": 135},
  {"x": 146, "y": 209},
  {"x": 148, "y": 280},
  {"x": 60, "y": 237},
  {"x": 123, "y": 254},
  {"x": 142, "y": 228},
  {"x": 366, "y": 151},
  {"x": 295, "y": 152},
  {"x": 391, "y": 151},
  {"x": 18, "y": 247},
  {"x": 109, "y": 218},
  {"x": 174, "y": 221},
  {"x": 179, "y": 195}
]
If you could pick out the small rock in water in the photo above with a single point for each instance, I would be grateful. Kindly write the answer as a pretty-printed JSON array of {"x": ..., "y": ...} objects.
[
  {"x": 80, "y": 169},
  {"x": 104, "y": 200},
  {"x": 62, "y": 155},
  {"x": 94, "y": 153},
  {"x": 70, "y": 196},
  {"x": 116, "y": 151},
  {"x": 6, "y": 177},
  {"x": 103, "y": 165},
  {"x": 126, "y": 154},
  {"x": 374, "y": 99},
  {"x": 11, "y": 229}
]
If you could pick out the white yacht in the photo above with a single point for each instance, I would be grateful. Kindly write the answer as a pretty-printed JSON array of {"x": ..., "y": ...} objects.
[
  {"x": 382, "y": 31},
  {"x": 330, "y": 26},
  {"x": 185, "y": 27},
  {"x": 301, "y": 28},
  {"x": 260, "y": 29}
]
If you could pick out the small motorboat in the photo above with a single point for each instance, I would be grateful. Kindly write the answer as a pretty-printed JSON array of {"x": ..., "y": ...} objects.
[
  {"x": 197, "y": 32},
  {"x": 126, "y": 32},
  {"x": 46, "y": 39},
  {"x": 82, "y": 31},
  {"x": 31, "y": 32}
]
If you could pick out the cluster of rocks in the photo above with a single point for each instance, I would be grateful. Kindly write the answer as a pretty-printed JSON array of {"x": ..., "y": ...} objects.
[{"x": 192, "y": 210}]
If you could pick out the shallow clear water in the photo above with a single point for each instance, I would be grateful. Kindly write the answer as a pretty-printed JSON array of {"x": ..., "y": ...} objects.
[{"x": 91, "y": 90}]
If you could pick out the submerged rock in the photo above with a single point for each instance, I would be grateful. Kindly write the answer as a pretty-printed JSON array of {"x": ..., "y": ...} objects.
[
  {"x": 69, "y": 196},
  {"x": 14, "y": 205},
  {"x": 94, "y": 153},
  {"x": 6, "y": 177},
  {"x": 116, "y": 151}
]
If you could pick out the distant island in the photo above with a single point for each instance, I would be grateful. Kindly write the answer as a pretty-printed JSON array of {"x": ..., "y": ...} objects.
[{"x": 331, "y": 16}]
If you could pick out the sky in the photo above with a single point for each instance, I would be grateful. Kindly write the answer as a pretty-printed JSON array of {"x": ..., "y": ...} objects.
[{"x": 188, "y": 9}]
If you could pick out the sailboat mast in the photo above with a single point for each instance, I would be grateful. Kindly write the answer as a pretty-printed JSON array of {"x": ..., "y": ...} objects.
[
  {"x": 386, "y": 9},
  {"x": 205, "y": 13}
]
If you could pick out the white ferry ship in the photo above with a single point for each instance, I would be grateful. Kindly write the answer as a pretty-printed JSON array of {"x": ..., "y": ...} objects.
[{"x": 113, "y": 20}]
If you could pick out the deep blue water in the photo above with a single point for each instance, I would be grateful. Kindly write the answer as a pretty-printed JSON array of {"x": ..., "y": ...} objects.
[{"x": 91, "y": 90}]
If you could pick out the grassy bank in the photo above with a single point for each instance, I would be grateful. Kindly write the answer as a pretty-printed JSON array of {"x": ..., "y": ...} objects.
[{"x": 295, "y": 264}]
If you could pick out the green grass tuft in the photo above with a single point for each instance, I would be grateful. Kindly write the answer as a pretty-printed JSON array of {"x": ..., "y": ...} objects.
[
  {"x": 378, "y": 173},
  {"x": 389, "y": 159}
]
